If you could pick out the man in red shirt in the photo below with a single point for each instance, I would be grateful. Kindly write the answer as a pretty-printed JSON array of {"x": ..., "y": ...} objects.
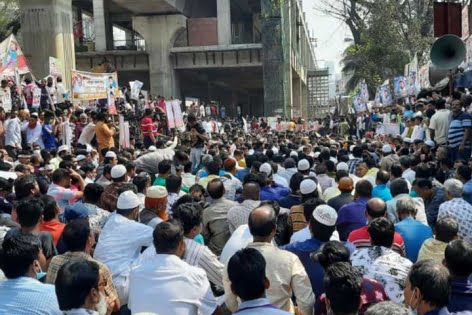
[
  {"x": 375, "y": 208},
  {"x": 148, "y": 128},
  {"x": 50, "y": 222}
]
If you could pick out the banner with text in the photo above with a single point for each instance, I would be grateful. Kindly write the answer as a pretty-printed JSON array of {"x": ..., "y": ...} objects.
[{"x": 93, "y": 86}]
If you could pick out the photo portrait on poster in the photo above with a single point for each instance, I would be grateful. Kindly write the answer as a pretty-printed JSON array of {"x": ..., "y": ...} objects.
[
  {"x": 400, "y": 85},
  {"x": 386, "y": 95}
]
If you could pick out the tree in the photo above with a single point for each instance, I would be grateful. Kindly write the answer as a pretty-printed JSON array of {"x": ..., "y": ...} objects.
[
  {"x": 387, "y": 34},
  {"x": 9, "y": 18}
]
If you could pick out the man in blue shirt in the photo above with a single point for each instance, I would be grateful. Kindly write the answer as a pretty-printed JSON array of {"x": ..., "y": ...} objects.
[
  {"x": 352, "y": 216},
  {"x": 414, "y": 233},
  {"x": 22, "y": 293},
  {"x": 322, "y": 225},
  {"x": 381, "y": 190},
  {"x": 458, "y": 259},
  {"x": 464, "y": 174}
]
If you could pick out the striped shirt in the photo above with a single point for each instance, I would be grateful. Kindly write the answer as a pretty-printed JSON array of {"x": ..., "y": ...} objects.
[
  {"x": 58, "y": 261},
  {"x": 457, "y": 129}
]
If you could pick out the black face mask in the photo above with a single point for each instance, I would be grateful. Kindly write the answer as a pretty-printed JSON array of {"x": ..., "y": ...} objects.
[{"x": 49, "y": 84}]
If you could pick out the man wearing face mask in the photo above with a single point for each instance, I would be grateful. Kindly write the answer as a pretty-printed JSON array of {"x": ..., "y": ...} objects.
[
  {"x": 21, "y": 260},
  {"x": 121, "y": 241},
  {"x": 79, "y": 240},
  {"x": 79, "y": 289},
  {"x": 427, "y": 288},
  {"x": 29, "y": 214}
]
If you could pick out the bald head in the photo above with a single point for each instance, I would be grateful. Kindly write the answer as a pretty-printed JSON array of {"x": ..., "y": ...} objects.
[
  {"x": 345, "y": 184},
  {"x": 251, "y": 191},
  {"x": 262, "y": 221},
  {"x": 216, "y": 189},
  {"x": 375, "y": 208}
]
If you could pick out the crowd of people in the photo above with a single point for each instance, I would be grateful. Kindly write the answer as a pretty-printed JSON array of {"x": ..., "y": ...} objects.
[{"x": 241, "y": 219}]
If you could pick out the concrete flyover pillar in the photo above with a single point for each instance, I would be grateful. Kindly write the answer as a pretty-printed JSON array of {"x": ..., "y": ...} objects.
[
  {"x": 100, "y": 21},
  {"x": 304, "y": 100},
  {"x": 224, "y": 21},
  {"x": 296, "y": 96},
  {"x": 160, "y": 32},
  {"x": 46, "y": 29}
]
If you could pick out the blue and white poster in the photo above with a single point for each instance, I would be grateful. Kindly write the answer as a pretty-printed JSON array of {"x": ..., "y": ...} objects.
[{"x": 400, "y": 85}]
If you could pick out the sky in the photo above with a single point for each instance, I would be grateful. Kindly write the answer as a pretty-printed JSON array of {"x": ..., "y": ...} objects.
[{"x": 329, "y": 33}]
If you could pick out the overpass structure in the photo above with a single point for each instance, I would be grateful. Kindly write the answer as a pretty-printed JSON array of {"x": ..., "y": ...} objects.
[{"x": 255, "y": 55}]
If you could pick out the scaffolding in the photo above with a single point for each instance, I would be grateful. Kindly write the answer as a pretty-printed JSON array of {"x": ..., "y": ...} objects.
[{"x": 318, "y": 93}]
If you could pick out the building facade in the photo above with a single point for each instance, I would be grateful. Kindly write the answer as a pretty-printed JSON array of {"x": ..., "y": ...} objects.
[{"x": 251, "y": 55}]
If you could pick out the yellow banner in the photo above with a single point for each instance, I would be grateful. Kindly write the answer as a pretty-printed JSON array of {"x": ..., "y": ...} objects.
[{"x": 93, "y": 86}]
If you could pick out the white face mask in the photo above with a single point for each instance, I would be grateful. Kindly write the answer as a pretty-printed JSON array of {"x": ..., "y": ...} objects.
[{"x": 101, "y": 307}]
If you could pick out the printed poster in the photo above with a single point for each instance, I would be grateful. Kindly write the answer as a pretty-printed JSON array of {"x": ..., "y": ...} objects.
[
  {"x": 424, "y": 76},
  {"x": 136, "y": 87},
  {"x": 56, "y": 68},
  {"x": 93, "y": 86},
  {"x": 178, "y": 118},
  {"x": 364, "y": 92},
  {"x": 6, "y": 100},
  {"x": 36, "y": 97},
  {"x": 386, "y": 95},
  {"x": 400, "y": 85},
  {"x": 12, "y": 59},
  {"x": 170, "y": 115}
]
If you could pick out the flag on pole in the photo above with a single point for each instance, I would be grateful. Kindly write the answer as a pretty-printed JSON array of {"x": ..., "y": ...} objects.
[{"x": 12, "y": 59}]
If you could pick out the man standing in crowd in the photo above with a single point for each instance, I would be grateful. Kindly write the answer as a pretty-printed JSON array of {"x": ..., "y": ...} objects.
[{"x": 275, "y": 199}]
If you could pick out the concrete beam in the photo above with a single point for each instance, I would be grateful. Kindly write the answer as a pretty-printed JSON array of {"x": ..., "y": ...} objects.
[
  {"x": 162, "y": 74},
  {"x": 224, "y": 22},
  {"x": 100, "y": 23},
  {"x": 46, "y": 28}
]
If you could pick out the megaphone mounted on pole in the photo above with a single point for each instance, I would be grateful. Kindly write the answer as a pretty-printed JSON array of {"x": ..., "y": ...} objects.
[{"x": 447, "y": 52}]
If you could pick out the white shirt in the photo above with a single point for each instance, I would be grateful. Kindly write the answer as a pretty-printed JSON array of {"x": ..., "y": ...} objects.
[
  {"x": 13, "y": 132},
  {"x": 87, "y": 134},
  {"x": 409, "y": 175},
  {"x": 440, "y": 124},
  {"x": 305, "y": 234},
  {"x": 164, "y": 284},
  {"x": 196, "y": 255},
  {"x": 33, "y": 135},
  {"x": 240, "y": 238},
  {"x": 418, "y": 133},
  {"x": 118, "y": 246},
  {"x": 60, "y": 92}
]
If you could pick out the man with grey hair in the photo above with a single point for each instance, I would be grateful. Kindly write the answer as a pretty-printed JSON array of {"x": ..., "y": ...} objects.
[
  {"x": 387, "y": 308},
  {"x": 457, "y": 208},
  {"x": 414, "y": 233}
]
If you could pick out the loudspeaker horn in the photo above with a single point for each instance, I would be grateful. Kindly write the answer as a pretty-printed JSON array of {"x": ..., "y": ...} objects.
[{"x": 448, "y": 52}]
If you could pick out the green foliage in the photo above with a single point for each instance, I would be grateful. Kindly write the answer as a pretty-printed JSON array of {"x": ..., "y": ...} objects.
[
  {"x": 387, "y": 35},
  {"x": 9, "y": 18}
]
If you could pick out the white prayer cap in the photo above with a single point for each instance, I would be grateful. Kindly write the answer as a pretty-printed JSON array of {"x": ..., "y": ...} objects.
[
  {"x": 152, "y": 148},
  {"x": 110, "y": 154},
  {"x": 430, "y": 144},
  {"x": 62, "y": 148},
  {"x": 386, "y": 148},
  {"x": 118, "y": 171},
  {"x": 80, "y": 157},
  {"x": 326, "y": 215},
  {"x": 307, "y": 186},
  {"x": 266, "y": 169},
  {"x": 128, "y": 200},
  {"x": 303, "y": 165},
  {"x": 156, "y": 192},
  {"x": 342, "y": 166}
]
